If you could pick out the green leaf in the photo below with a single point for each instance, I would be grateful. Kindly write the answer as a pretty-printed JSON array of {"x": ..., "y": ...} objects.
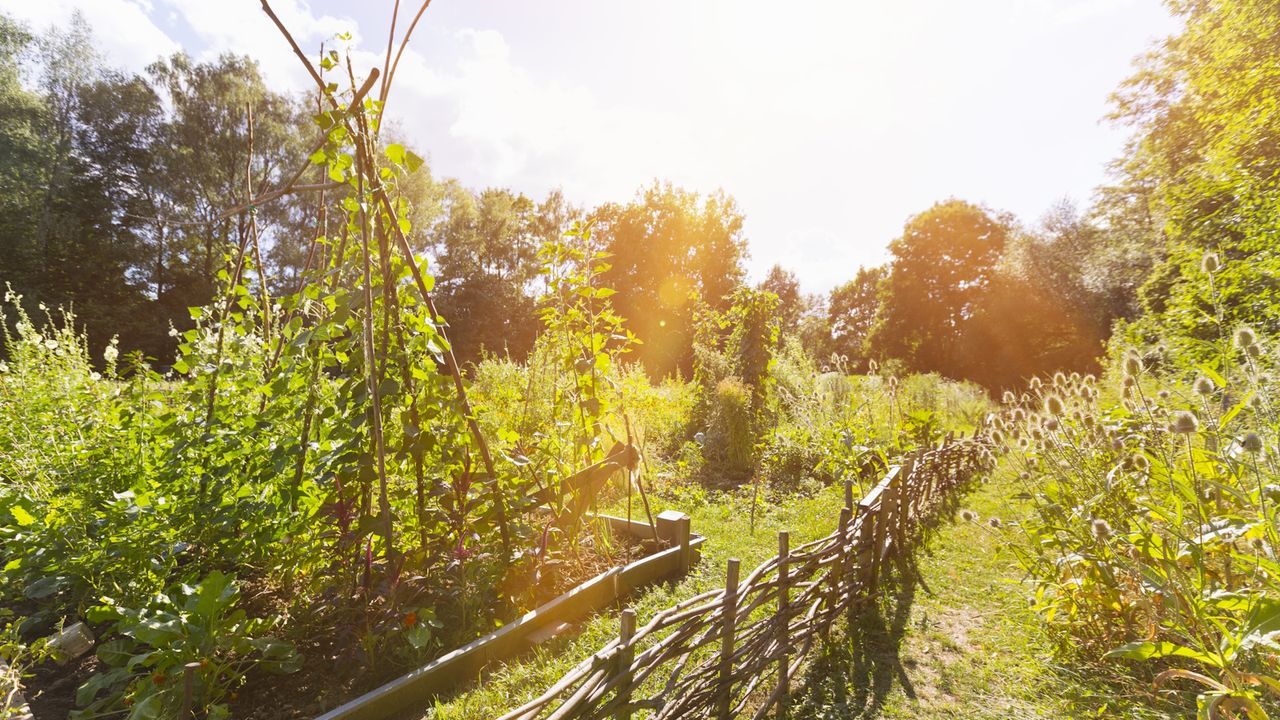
[
  {"x": 395, "y": 153},
  {"x": 44, "y": 587},
  {"x": 1148, "y": 650},
  {"x": 23, "y": 517},
  {"x": 412, "y": 161},
  {"x": 419, "y": 636}
]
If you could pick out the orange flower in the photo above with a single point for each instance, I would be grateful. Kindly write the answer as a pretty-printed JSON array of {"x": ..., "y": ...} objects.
[
  {"x": 411, "y": 619},
  {"x": 157, "y": 677}
]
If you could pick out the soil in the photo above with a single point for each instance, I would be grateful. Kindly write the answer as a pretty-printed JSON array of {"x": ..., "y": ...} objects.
[
  {"x": 330, "y": 675},
  {"x": 51, "y": 689}
]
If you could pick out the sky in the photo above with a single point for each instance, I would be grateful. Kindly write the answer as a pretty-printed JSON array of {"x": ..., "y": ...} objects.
[{"x": 830, "y": 122}]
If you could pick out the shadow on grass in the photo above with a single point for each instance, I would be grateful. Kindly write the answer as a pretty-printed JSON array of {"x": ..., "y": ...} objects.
[{"x": 853, "y": 673}]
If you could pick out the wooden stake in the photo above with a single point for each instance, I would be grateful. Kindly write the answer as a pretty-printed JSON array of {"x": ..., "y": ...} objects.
[
  {"x": 626, "y": 654},
  {"x": 724, "y": 693},
  {"x": 784, "y": 623},
  {"x": 188, "y": 689}
]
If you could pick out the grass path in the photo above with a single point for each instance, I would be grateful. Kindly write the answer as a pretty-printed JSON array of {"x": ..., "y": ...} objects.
[{"x": 962, "y": 643}]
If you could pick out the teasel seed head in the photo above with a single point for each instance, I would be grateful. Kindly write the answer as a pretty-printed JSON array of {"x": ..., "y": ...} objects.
[
  {"x": 1101, "y": 529},
  {"x": 1053, "y": 405},
  {"x": 1184, "y": 423},
  {"x": 1203, "y": 386},
  {"x": 1252, "y": 443},
  {"x": 1245, "y": 336},
  {"x": 1132, "y": 364}
]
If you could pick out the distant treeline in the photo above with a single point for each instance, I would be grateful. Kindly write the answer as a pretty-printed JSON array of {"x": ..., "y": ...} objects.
[{"x": 112, "y": 185}]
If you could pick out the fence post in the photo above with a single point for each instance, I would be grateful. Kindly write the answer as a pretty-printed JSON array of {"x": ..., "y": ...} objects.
[
  {"x": 848, "y": 493},
  {"x": 188, "y": 689},
  {"x": 686, "y": 554},
  {"x": 878, "y": 538},
  {"x": 626, "y": 654},
  {"x": 837, "y": 569},
  {"x": 870, "y": 519},
  {"x": 724, "y": 693},
  {"x": 903, "y": 504},
  {"x": 784, "y": 623},
  {"x": 673, "y": 526}
]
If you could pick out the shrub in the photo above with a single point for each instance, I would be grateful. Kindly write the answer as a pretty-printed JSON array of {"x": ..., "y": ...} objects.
[{"x": 729, "y": 434}]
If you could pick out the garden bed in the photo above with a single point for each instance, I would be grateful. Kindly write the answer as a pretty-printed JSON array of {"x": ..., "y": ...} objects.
[
  {"x": 455, "y": 669},
  {"x": 330, "y": 676}
]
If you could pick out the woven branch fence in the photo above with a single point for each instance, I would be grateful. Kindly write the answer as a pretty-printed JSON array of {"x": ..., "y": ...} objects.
[{"x": 735, "y": 650}]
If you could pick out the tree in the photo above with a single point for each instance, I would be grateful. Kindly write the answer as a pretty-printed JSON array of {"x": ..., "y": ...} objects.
[
  {"x": 852, "y": 312},
  {"x": 22, "y": 115},
  {"x": 942, "y": 264},
  {"x": 670, "y": 247},
  {"x": 486, "y": 249},
  {"x": 69, "y": 153},
  {"x": 1204, "y": 163},
  {"x": 202, "y": 154},
  {"x": 785, "y": 285}
]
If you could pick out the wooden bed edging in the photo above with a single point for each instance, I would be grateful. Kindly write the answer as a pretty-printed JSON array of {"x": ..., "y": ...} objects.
[{"x": 451, "y": 670}]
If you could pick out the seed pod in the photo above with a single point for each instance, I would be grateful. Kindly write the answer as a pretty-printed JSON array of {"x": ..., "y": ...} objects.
[
  {"x": 1203, "y": 386},
  {"x": 1184, "y": 423},
  {"x": 1252, "y": 443},
  {"x": 1245, "y": 336}
]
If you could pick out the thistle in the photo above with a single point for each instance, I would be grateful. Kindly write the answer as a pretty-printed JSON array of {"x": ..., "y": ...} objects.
[
  {"x": 1100, "y": 529},
  {"x": 1053, "y": 405},
  {"x": 1203, "y": 386},
  {"x": 1252, "y": 443},
  {"x": 1184, "y": 423}
]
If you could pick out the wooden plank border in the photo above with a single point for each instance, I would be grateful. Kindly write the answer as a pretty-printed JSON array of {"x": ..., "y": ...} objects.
[{"x": 452, "y": 670}]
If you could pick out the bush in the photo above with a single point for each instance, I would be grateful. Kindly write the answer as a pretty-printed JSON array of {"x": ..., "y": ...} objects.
[{"x": 730, "y": 441}]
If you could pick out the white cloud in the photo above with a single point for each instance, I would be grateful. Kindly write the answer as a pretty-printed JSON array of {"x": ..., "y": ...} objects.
[
  {"x": 240, "y": 26},
  {"x": 491, "y": 121},
  {"x": 122, "y": 29}
]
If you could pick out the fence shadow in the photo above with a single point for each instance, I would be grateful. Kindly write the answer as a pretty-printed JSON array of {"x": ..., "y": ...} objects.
[{"x": 853, "y": 674}]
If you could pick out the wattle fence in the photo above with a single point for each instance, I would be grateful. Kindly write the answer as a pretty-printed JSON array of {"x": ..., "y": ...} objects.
[{"x": 735, "y": 651}]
